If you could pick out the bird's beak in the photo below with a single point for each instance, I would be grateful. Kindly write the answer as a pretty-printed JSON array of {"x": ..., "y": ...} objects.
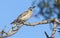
[{"x": 32, "y": 7}]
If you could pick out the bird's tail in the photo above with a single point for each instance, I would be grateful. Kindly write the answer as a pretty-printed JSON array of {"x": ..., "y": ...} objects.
[
  {"x": 32, "y": 7},
  {"x": 11, "y": 22}
]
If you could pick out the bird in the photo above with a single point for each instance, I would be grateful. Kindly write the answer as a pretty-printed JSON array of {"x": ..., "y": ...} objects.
[
  {"x": 23, "y": 17},
  {"x": 19, "y": 21}
]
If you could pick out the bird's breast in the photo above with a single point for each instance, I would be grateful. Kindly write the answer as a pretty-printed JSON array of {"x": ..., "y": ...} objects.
[{"x": 27, "y": 16}]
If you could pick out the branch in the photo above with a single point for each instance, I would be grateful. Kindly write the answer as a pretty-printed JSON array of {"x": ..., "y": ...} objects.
[
  {"x": 55, "y": 22},
  {"x": 54, "y": 28},
  {"x": 37, "y": 23},
  {"x": 2, "y": 33},
  {"x": 46, "y": 35},
  {"x": 12, "y": 31}
]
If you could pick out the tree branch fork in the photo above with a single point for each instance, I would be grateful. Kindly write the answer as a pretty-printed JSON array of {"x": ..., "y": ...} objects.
[{"x": 12, "y": 32}]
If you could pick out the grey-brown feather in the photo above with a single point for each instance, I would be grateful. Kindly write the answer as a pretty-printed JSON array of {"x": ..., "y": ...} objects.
[
  {"x": 18, "y": 20},
  {"x": 24, "y": 16}
]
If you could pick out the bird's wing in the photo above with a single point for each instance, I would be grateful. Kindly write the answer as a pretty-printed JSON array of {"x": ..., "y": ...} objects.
[{"x": 20, "y": 16}]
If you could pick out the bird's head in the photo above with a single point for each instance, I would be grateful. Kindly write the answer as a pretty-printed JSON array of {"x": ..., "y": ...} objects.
[{"x": 31, "y": 8}]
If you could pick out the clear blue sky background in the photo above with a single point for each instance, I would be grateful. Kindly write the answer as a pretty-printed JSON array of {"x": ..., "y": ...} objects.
[{"x": 11, "y": 9}]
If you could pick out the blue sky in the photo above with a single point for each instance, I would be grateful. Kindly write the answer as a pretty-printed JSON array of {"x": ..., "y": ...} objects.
[{"x": 11, "y": 9}]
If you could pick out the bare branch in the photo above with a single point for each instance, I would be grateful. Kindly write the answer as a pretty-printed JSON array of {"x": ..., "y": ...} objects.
[
  {"x": 54, "y": 28},
  {"x": 12, "y": 32},
  {"x": 37, "y": 23},
  {"x": 46, "y": 35},
  {"x": 54, "y": 21}
]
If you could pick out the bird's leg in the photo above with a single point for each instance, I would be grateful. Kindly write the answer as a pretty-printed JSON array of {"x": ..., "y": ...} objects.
[
  {"x": 17, "y": 25},
  {"x": 14, "y": 26},
  {"x": 15, "y": 29},
  {"x": 21, "y": 21}
]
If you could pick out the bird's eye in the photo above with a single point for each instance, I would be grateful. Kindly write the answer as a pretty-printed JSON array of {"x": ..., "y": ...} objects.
[{"x": 31, "y": 9}]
